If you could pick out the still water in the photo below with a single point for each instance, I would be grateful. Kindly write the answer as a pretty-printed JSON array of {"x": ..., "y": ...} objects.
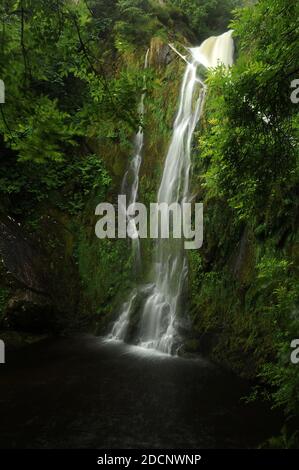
[{"x": 83, "y": 392}]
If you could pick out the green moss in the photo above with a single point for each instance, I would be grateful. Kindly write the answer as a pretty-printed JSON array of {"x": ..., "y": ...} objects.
[{"x": 105, "y": 270}]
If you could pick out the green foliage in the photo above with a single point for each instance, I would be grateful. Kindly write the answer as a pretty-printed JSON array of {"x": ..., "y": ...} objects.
[
  {"x": 287, "y": 440},
  {"x": 247, "y": 167},
  {"x": 105, "y": 269},
  {"x": 71, "y": 106},
  {"x": 207, "y": 17},
  {"x": 252, "y": 133},
  {"x": 66, "y": 187},
  {"x": 40, "y": 142},
  {"x": 62, "y": 103},
  {"x": 134, "y": 22},
  {"x": 279, "y": 285},
  {"x": 88, "y": 176},
  {"x": 74, "y": 77}
]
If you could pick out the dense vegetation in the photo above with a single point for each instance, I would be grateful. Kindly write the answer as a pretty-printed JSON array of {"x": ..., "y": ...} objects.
[
  {"x": 206, "y": 16},
  {"x": 245, "y": 290},
  {"x": 74, "y": 75}
]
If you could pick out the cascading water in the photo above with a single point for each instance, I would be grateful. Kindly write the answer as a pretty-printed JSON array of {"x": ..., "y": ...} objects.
[
  {"x": 130, "y": 183},
  {"x": 161, "y": 309},
  {"x": 163, "y": 298},
  {"x": 215, "y": 50},
  {"x": 129, "y": 187}
]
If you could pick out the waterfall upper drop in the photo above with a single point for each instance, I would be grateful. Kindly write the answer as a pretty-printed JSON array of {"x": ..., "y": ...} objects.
[
  {"x": 215, "y": 50},
  {"x": 162, "y": 299}
]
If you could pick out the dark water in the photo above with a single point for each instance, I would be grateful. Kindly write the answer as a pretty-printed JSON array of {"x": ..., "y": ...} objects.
[{"x": 83, "y": 393}]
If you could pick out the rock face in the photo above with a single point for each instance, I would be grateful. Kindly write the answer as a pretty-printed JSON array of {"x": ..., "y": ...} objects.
[
  {"x": 33, "y": 305},
  {"x": 28, "y": 311},
  {"x": 160, "y": 54},
  {"x": 22, "y": 259}
]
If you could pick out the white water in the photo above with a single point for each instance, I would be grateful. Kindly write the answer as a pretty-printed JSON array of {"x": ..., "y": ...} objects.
[
  {"x": 164, "y": 297},
  {"x": 129, "y": 187},
  {"x": 121, "y": 325},
  {"x": 130, "y": 183},
  {"x": 215, "y": 50},
  {"x": 158, "y": 320}
]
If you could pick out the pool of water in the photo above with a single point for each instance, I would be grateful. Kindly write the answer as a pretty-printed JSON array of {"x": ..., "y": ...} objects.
[{"x": 83, "y": 392}]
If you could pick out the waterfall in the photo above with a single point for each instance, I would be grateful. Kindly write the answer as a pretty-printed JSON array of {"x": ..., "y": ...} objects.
[
  {"x": 158, "y": 320},
  {"x": 129, "y": 187},
  {"x": 130, "y": 183},
  {"x": 163, "y": 301},
  {"x": 215, "y": 50}
]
